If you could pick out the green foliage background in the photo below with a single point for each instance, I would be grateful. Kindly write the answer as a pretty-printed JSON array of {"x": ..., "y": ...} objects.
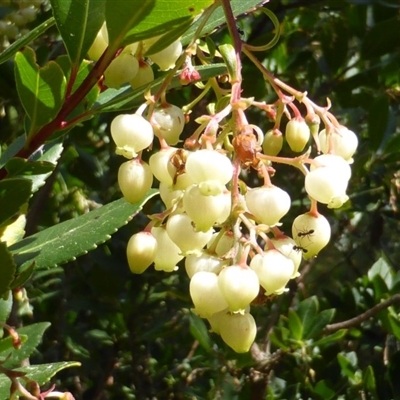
[{"x": 134, "y": 335}]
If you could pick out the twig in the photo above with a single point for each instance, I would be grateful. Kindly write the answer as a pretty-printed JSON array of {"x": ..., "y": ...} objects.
[{"x": 362, "y": 317}]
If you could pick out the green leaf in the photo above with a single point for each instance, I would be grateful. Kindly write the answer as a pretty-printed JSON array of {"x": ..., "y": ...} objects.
[
  {"x": 279, "y": 338},
  {"x": 369, "y": 381},
  {"x": 374, "y": 46},
  {"x": 70, "y": 239},
  {"x": 41, "y": 373},
  {"x": 78, "y": 22},
  {"x": 124, "y": 99},
  {"x": 394, "y": 323},
  {"x": 320, "y": 322},
  {"x": 41, "y": 90},
  {"x": 5, "y": 307},
  {"x": 307, "y": 312},
  {"x": 34, "y": 333},
  {"x": 7, "y": 270},
  {"x": 23, "y": 275},
  {"x": 15, "y": 146},
  {"x": 324, "y": 390},
  {"x": 383, "y": 269},
  {"x": 218, "y": 18},
  {"x": 380, "y": 287},
  {"x": 348, "y": 363},
  {"x": 14, "y": 193},
  {"x": 11, "y": 50},
  {"x": 49, "y": 154},
  {"x": 135, "y": 20},
  {"x": 378, "y": 119},
  {"x": 199, "y": 331},
  {"x": 295, "y": 325},
  {"x": 18, "y": 167},
  {"x": 334, "y": 337},
  {"x": 6, "y": 345}
]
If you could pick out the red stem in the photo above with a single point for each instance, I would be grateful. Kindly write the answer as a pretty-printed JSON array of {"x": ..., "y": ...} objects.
[{"x": 59, "y": 123}]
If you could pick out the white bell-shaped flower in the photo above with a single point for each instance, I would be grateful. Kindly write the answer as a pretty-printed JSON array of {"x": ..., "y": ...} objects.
[
  {"x": 268, "y": 204},
  {"x": 206, "y": 294},
  {"x": 289, "y": 248},
  {"x": 311, "y": 233},
  {"x": 274, "y": 270},
  {"x": 343, "y": 141},
  {"x": 168, "y": 253},
  {"x": 131, "y": 134},
  {"x": 238, "y": 331},
  {"x": 209, "y": 165},
  {"x": 328, "y": 179},
  {"x": 134, "y": 180},
  {"x": 203, "y": 262},
  {"x": 141, "y": 251},
  {"x": 181, "y": 230},
  {"x": 239, "y": 286}
]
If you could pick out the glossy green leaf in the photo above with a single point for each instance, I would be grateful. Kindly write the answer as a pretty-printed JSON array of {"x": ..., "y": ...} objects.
[
  {"x": 199, "y": 331},
  {"x": 320, "y": 322},
  {"x": 378, "y": 119},
  {"x": 323, "y": 389},
  {"x": 14, "y": 193},
  {"x": 172, "y": 35},
  {"x": 394, "y": 323},
  {"x": 334, "y": 337},
  {"x": 15, "y": 146},
  {"x": 70, "y": 239},
  {"x": 383, "y": 269},
  {"x": 49, "y": 154},
  {"x": 5, "y": 307},
  {"x": 279, "y": 338},
  {"x": 307, "y": 311},
  {"x": 347, "y": 363},
  {"x": 23, "y": 274},
  {"x": 218, "y": 18},
  {"x": 134, "y": 20},
  {"x": 18, "y": 167},
  {"x": 41, "y": 373},
  {"x": 7, "y": 270},
  {"x": 380, "y": 287},
  {"x": 295, "y": 325},
  {"x": 369, "y": 381},
  {"x": 6, "y": 344},
  {"x": 78, "y": 22},
  {"x": 124, "y": 99},
  {"x": 41, "y": 90},
  {"x": 11, "y": 50},
  {"x": 34, "y": 333}
]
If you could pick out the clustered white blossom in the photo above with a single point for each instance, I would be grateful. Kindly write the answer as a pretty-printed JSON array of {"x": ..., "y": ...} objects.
[
  {"x": 227, "y": 233},
  {"x": 14, "y": 23}
]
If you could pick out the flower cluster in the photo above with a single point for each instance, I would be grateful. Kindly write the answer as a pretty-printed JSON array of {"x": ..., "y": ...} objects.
[
  {"x": 13, "y": 24},
  {"x": 130, "y": 65},
  {"x": 228, "y": 233}
]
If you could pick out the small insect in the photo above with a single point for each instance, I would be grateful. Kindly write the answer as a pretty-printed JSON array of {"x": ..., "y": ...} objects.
[
  {"x": 305, "y": 233},
  {"x": 298, "y": 248},
  {"x": 240, "y": 31}
]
